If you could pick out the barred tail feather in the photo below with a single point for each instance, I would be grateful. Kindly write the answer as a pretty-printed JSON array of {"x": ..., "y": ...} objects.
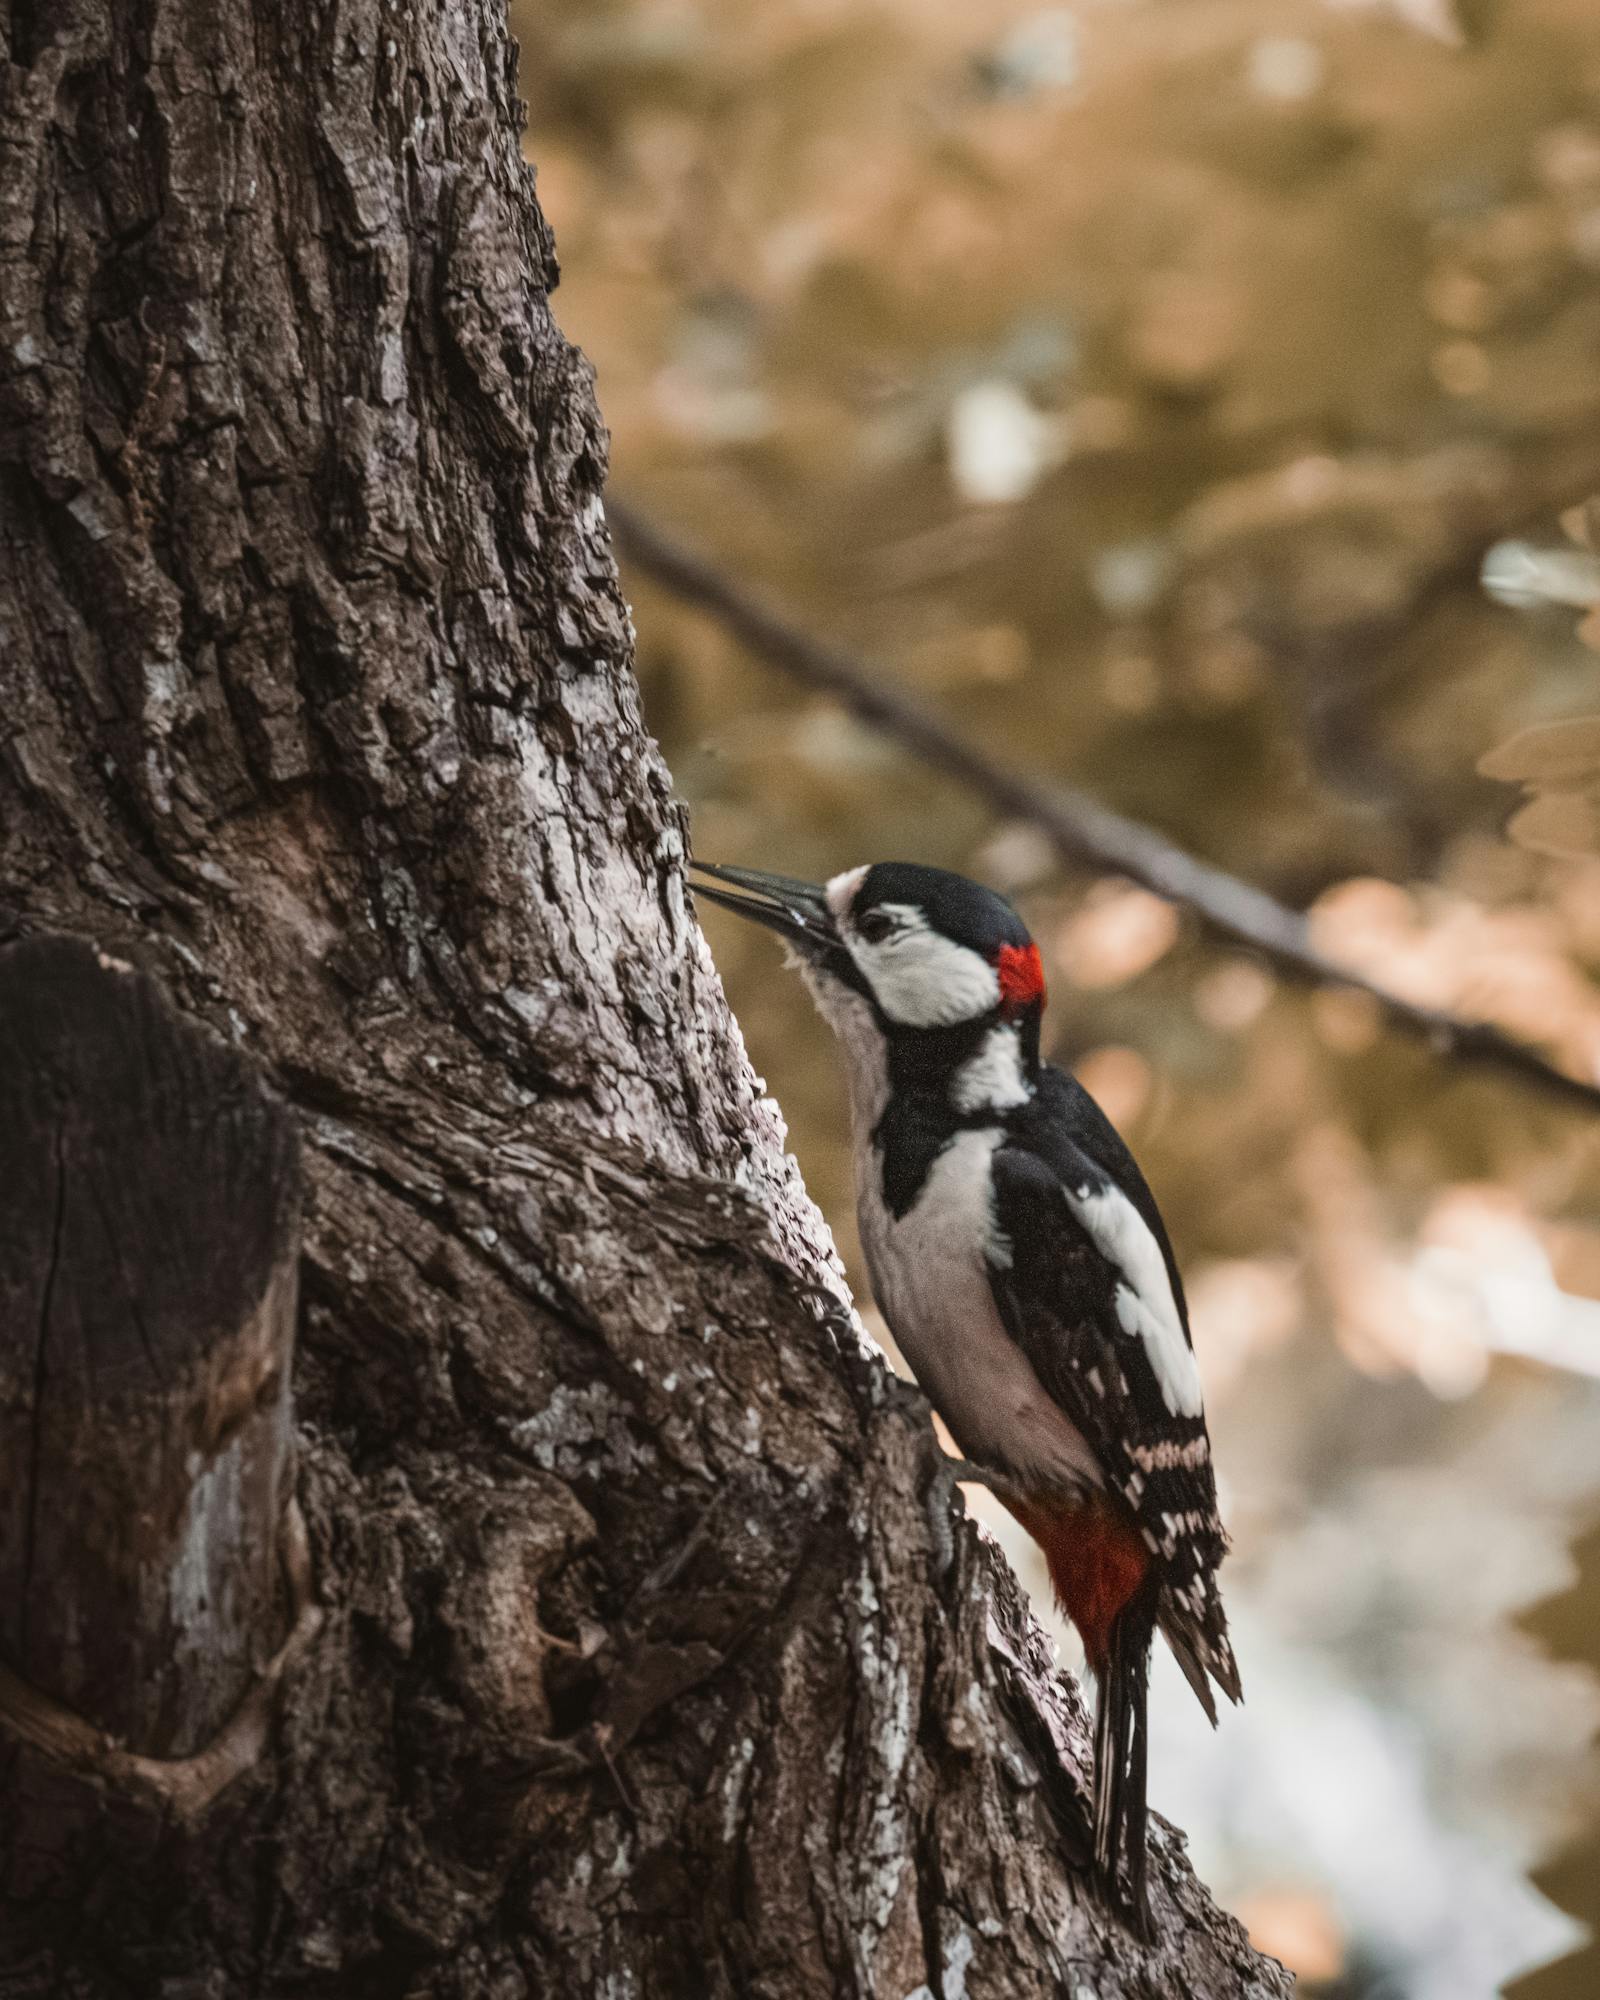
[
  {"x": 1183, "y": 1651},
  {"x": 1201, "y": 1647},
  {"x": 1120, "y": 1749}
]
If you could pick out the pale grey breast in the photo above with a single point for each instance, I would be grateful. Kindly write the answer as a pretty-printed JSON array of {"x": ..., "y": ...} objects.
[{"x": 929, "y": 1270}]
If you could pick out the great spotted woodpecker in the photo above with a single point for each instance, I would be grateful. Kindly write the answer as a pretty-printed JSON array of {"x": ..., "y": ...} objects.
[{"x": 1022, "y": 1265}]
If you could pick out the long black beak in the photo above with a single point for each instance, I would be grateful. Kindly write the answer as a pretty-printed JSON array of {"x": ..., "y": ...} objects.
[{"x": 797, "y": 911}]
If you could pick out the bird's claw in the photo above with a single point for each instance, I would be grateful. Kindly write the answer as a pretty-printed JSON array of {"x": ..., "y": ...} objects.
[
  {"x": 967, "y": 1472},
  {"x": 947, "y": 1475}
]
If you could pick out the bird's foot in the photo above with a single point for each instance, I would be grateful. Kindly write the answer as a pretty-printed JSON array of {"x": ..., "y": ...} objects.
[
  {"x": 948, "y": 1474},
  {"x": 967, "y": 1472}
]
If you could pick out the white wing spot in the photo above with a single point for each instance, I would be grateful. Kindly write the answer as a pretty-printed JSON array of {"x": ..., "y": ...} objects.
[
  {"x": 1168, "y": 1454},
  {"x": 1144, "y": 1301}
]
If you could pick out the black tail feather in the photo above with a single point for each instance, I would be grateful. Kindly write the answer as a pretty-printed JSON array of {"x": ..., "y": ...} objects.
[{"x": 1120, "y": 1749}]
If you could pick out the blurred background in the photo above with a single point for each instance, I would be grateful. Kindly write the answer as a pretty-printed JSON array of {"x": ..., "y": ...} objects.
[{"x": 1195, "y": 400}]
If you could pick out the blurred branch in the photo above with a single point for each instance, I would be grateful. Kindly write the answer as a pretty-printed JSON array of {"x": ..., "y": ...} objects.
[{"x": 1083, "y": 832}]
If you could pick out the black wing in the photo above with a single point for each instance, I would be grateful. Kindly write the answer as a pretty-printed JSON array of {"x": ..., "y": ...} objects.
[{"x": 1069, "y": 1298}]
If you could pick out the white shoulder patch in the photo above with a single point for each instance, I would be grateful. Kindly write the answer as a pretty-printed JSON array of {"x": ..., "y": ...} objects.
[{"x": 1145, "y": 1304}]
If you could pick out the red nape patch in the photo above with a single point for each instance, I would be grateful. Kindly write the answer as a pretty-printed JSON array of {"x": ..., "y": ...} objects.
[
  {"x": 1021, "y": 978},
  {"x": 1096, "y": 1559}
]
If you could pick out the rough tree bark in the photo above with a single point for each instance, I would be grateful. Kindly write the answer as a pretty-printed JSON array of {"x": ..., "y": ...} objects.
[{"x": 654, "y": 1656}]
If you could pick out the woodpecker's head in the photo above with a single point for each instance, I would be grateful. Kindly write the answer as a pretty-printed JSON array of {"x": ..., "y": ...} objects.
[{"x": 919, "y": 972}]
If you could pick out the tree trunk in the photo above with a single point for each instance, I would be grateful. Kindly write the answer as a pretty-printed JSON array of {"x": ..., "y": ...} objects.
[{"x": 654, "y": 1658}]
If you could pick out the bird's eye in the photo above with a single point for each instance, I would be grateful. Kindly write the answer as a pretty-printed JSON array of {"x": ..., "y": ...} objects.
[{"x": 874, "y": 927}]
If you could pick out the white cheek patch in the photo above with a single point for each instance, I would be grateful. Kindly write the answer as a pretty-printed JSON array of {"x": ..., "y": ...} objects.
[
  {"x": 923, "y": 980},
  {"x": 1145, "y": 1305}
]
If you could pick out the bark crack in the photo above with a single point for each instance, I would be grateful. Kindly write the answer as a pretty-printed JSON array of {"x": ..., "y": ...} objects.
[
  {"x": 128, "y": 1289},
  {"x": 41, "y": 1376}
]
